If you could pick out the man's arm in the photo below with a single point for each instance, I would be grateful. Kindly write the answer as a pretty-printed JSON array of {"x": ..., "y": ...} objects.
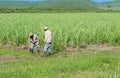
[{"x": 37, "y": 39}]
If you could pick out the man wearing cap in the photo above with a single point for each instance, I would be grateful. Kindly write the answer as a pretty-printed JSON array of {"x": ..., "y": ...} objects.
[
  {"x": 47, "y": 41},
  {"x": 33, "y": 41}
]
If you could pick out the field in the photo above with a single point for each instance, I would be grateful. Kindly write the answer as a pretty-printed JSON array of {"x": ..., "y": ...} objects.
[
  {"x": 68, "y": 30},
  {"x": 98, "y": 33},
  {"x": 20, "y": 64}
]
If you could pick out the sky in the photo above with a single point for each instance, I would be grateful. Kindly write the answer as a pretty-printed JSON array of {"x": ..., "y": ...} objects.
[{"x": 103, "y": 0}]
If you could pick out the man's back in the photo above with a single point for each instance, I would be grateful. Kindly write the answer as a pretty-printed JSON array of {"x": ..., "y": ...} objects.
[{"x": 48, "y": 36}]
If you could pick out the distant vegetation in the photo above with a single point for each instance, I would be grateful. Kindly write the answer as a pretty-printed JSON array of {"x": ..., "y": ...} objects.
[
  {"x": 58, "y": 6},
  {"x": 47, "y": 10}
]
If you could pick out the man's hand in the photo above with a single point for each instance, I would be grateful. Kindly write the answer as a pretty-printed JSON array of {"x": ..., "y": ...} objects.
[
  {"x": 38, "y": 41},
  {"x": 44, "y": 42}
]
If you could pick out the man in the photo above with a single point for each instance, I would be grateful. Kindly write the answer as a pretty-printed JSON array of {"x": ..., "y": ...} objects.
[
  {"x": 47, "y": 41},
  {"x": 33, "y": 41}
]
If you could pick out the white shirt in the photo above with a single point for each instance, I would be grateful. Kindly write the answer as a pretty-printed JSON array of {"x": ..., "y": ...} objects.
[
  {"x": 48, "y": 36},
  {"x": 35, "y": 39}
]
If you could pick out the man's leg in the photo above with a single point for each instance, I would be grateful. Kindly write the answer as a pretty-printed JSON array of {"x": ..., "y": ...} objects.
[
  {"x": 38, "y": 47},
  {"x": 32, "y": 47},
  {"x": 49, "y": 49},
  {"x": 45, "y": 49}
]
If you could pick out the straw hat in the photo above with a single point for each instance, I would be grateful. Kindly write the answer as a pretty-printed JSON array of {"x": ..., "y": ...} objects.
[
  {"x": 30, "y": 34},
  {"x": 45, "y": 28}
]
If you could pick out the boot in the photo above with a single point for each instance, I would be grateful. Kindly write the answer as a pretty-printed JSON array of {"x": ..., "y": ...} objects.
[
  {"x": 31, "y": 50},
  {"x": 45, "y": 54},
  {"x": 38, "y": 51},
  {"x": 49, "y": 53}
]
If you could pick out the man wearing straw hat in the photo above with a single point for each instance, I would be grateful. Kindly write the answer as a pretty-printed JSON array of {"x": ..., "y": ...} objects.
[
  {"x": 47, "y": 41},
  {"x": 33, "y": 41}
]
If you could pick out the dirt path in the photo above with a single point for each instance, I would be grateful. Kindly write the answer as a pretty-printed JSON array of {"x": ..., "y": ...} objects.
[
  {"x": 9, "y": 58},
  {"x": 93, "y": 49},
  {"x": 99, "y": 48}
]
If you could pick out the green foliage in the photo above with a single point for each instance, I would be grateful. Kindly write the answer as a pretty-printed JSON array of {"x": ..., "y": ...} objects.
[
  {"x": 50, "y": 10},
  {"x": 68, "y": 29}
]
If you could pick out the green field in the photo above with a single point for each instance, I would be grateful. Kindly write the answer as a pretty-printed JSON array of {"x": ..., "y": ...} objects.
[
  {"x": 68, "y": 29},
  {"x": 20, "y": 64},
  {"x": 69, "y": 32}
]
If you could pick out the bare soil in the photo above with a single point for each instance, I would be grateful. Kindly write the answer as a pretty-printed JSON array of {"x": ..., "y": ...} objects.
[
  {"x": 93, "y": 49},
  {"x": 99, "y": 48},
  {"x": 9, "y": 58}
]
